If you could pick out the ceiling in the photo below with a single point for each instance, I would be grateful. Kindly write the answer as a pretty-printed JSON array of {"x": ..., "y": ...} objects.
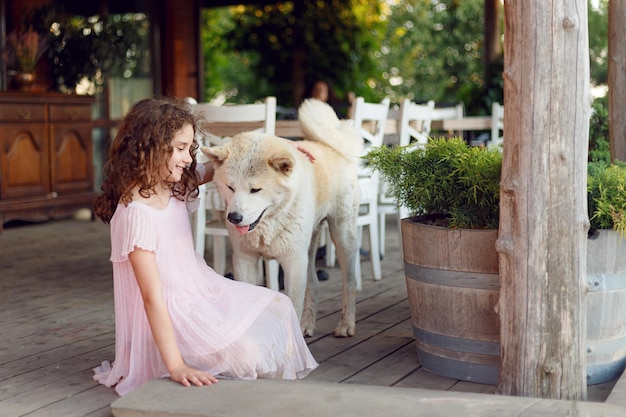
[{"x": 220, "y": 3}]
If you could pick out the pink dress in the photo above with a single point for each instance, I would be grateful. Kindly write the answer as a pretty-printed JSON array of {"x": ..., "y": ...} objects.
[{"x": 230, "y": 329}]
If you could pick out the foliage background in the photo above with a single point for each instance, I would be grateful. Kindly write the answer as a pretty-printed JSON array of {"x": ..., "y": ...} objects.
[
  {"x": 253, "y": 51},
  {"x": 416, "y": 49}
]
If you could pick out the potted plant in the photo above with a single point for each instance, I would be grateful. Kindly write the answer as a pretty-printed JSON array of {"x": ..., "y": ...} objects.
[
  {"x": 446, "y": 178},
  {"x": 451, "y": 265},
  {"x": 22, "y": 53},
  {"x": 606, "y": 196},
  {"x": 606, "y": 270}
]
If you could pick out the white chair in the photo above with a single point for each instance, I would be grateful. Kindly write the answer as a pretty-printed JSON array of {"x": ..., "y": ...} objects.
[
  {"x": 391, "y": 127},
  {"x": 415, "y": 122},
  {"x": 448, "y": 113},
  {"x": 219, "y": 123},
  {"x": 497, "y": 125},
  {"x": 370, "y": 120},
  {"x": 413, "y": 125}
]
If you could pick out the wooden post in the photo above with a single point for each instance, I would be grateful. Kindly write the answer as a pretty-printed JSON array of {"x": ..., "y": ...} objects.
[
  {"x": 543, "y": 218},
  {"x": 180, "y": 49},
  {"x": 617, "y": 79},
  {"x": 298, "y": 72},
  {"x": 492, "y": 48}
]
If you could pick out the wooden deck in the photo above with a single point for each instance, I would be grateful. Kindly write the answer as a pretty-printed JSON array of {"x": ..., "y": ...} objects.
[{"x": 57, "y": 324}]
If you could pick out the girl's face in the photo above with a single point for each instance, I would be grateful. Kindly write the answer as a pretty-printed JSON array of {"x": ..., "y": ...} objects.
[{"x": 181, "y": 156}]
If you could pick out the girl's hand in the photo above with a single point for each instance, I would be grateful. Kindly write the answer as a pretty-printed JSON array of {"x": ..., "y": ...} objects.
[
  {"x": 302, "y": 149},
  {"x": 306, "y": 152},
  {"x": 188, "y": 376}
]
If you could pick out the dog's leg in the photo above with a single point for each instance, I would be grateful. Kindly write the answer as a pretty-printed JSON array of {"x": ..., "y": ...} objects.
[
  {"x": 343, "y": 233},
  {"x": 294, "y": 265},
  {"x": 245, "y": 267},
  {"x": 309, "y": 313}
]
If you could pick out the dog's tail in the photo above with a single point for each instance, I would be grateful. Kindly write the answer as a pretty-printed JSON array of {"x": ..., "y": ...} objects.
[{"x": 320, "y": 123}]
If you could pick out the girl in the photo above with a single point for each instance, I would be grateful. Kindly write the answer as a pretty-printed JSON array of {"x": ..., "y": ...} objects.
[{"x": 174, "y": 316}]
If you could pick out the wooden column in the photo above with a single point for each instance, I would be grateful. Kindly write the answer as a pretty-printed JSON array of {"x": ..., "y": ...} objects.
[
  {"x": 543, "y": 219},
  {"x": 298, "y": 73},
  {"x": 492, "y": 31},
  {"x": 617, "y": 79},
  {"x": 180, "y": 32}
]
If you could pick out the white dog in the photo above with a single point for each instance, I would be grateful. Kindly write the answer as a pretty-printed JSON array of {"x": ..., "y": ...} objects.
[{"x": 276, "y": 200}]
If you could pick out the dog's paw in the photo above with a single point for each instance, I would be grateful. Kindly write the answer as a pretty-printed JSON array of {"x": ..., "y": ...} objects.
[
  {"x": 308, "y": 331},
  {"x": 345, "y": 329},
  {"x": 307, "y": 322}
]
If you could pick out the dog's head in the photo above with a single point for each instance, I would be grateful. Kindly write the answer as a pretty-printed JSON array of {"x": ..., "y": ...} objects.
[{"x": 252, "y": 174}]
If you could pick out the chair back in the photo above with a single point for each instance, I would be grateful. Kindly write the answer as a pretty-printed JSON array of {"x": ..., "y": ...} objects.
[
  {"x": 415, "y": 121},
  {"x": 497, "y": 124},
  {"x": 370, "y": 120},
  {"x": 230, "y": 119},
  {"x": 447, "y": 113}
]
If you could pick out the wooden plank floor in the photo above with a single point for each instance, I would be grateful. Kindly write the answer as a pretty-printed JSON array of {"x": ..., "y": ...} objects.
[{"x": 57, "y": 323}]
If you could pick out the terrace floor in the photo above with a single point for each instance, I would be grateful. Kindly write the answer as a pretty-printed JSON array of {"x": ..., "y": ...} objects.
[{"x": 57, "y": 323}]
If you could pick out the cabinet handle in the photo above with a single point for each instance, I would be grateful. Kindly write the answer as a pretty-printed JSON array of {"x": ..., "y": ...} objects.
[{"x": 23, "y": 114}]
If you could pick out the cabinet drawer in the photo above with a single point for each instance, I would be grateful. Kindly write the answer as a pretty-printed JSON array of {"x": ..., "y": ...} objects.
[
  {"x": 22, "y": 112},
  {"x": 61, "y": 113}
]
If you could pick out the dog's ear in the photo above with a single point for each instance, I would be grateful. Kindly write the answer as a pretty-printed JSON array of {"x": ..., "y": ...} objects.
[
  {"x": 282, "y": 163},
  {"x": 215, "y": 154}
]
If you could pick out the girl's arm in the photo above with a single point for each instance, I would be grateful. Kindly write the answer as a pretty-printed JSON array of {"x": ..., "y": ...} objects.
[
  {"x": 149, "y": 281},
  {"x": 209, "y": 170}
]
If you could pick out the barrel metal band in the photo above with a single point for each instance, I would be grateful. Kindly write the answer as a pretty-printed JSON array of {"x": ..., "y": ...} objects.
[
  {"x": 606, "y": 282},
  {"x": 467, "y": 371},
  {"x": 472, "y": 280},
  {"x": 482, "y": 347}
]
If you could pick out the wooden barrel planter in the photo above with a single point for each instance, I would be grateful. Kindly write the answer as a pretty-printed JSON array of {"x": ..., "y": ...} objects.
[
  {"x": 453, "y": 287},
  {"x": 606, "y": 306}
]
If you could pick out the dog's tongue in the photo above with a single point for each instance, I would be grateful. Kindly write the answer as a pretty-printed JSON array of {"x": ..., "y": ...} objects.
[{"x": 242, "y": 229}]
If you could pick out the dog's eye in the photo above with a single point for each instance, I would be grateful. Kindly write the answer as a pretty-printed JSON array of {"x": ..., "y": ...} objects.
[
  {"x": 231, "y": 188},
  {"x": 254, "y": 190}
]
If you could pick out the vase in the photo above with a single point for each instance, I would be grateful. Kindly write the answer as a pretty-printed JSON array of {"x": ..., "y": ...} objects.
[{"x": 25, "y": 80}]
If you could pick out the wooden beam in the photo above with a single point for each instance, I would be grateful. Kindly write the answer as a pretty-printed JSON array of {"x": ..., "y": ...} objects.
[{"x": 222, "y": 3}]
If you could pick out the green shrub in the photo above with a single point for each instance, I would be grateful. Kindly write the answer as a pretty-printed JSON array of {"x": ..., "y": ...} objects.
[
  {"x": 606, "y": 195},
  {"x": 445, "y": 177}
]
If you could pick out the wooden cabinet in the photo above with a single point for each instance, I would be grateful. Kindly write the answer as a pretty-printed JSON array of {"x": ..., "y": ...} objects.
[{"x": 46, "y": 167}]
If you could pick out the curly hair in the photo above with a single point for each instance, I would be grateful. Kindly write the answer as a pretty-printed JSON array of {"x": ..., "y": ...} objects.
[{"x": 141, "y": 149}]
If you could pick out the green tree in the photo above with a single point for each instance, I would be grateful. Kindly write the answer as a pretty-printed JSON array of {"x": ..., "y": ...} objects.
[
  {"x": 432, "y": 50},
  {"x": 419, "y": 49},
  {"x": 229, "y": 74},
  {"x": 416, "y": 49},
  {"x": 287, "y": 44},
  {"x": 598, "y": 16}
]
